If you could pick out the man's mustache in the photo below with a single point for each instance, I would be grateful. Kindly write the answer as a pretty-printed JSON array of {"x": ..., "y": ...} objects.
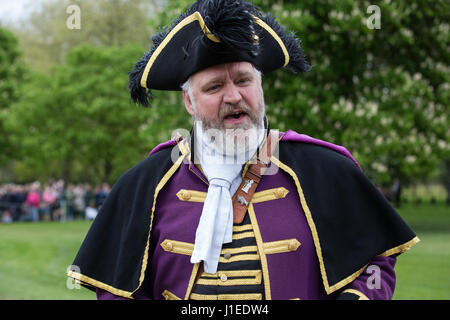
[{"x": 230, "y": 109}]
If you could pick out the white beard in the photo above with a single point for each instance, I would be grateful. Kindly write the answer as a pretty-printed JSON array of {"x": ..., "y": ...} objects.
[
  {"x": 228, "y": 146},
  {"x": 235, "y": 145}
]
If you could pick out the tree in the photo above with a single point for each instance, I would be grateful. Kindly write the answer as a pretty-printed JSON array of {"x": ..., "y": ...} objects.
[
  {"x": 12, "y": 74},
  {"x": 382, "y": 93},
  {"x": 46, "y": 37},
  {"x": 78, "y": 123}
]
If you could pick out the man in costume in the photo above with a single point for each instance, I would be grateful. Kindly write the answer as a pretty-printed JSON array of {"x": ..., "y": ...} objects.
[{"x": 237, "y": 210}]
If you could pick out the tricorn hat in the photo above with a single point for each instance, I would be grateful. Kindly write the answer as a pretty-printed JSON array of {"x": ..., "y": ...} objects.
[{"x": 212, "y": 32}]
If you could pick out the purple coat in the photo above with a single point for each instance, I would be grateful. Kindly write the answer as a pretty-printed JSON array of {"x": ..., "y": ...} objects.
[{"x": 291, "y": 255}]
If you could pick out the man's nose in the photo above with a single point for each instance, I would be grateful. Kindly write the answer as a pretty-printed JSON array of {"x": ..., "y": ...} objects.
[{"x": 232, "y": 94}]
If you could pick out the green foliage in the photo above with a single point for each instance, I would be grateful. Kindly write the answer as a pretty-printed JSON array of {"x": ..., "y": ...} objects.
[
  {"x": 46, "y": 39},
  {"x": 11, "y": 75},
  {"x": 78, "y": 123},
  {"x": 11, "y": 71},
  {"x": 382, "y": 93}
]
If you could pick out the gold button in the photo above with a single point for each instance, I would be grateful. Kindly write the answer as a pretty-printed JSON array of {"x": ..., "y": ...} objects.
[
  {"x": 223, "y": 277},
  {"x": 169, "y": 246},
  {"x": 292, "y": 245},
  {"x": 186, "y": 195},
  {"x": 279, "y": 193},
  {"x": 227, "y": 255}
]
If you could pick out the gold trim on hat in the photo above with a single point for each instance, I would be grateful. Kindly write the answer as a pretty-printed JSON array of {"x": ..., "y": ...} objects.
[
  {"x": 276, "y": 37},
  {"x": 196, "y": 16}
]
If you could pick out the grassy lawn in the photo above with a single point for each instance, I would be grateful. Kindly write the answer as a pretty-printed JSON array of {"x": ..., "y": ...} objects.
[
  {"x": 423, "y": 272},
  {"x": 34, "y": 257}
]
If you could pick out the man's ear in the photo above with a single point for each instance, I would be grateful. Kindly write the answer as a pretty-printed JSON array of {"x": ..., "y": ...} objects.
[{"x": 188, "y": 103}]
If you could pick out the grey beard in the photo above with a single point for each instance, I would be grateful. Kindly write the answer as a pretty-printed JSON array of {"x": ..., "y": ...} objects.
[{"x": 234, "y": 142}]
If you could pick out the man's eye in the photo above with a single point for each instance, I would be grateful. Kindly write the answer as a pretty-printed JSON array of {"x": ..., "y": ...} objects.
[
  {"x": 213, "y": 87},
  {"x": 243, "y": 80}
]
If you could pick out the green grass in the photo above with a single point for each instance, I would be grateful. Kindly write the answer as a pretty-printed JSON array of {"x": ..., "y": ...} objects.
[
  {"x": 34, "y": 257},
  {"x": 424, "y": 271},
  {"x": 426, "y": 217}
]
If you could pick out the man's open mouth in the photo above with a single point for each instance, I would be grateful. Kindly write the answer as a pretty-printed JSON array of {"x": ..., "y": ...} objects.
[{"x": 236, "y": 115}]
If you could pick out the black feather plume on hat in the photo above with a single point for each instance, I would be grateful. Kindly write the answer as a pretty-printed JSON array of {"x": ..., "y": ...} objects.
[
  {"x": 230, "y": 21},
  {"x": 297, "y": 58},
  {"x": 138, "y": 93}
]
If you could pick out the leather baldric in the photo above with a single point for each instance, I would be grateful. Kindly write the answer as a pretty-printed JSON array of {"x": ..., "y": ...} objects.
[{"x": 242, "y": 197}]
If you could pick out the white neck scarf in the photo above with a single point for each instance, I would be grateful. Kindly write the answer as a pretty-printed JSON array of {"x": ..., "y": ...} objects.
[{"x": 216, "y": 222}]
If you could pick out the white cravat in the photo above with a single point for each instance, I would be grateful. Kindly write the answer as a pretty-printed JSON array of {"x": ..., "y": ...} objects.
[{"x": 216, "y": 222}]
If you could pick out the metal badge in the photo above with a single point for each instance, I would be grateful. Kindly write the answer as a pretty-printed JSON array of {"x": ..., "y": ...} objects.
[
  {"x": 248, "y": 185},
  {"x": 242, "y": 200}
]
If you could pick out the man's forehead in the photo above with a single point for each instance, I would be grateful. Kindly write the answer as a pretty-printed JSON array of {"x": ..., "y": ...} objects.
[{"x": 222, "y": 70}]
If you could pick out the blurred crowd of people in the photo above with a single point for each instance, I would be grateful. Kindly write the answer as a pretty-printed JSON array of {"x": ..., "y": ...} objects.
[{"x": 54, "y": 201}]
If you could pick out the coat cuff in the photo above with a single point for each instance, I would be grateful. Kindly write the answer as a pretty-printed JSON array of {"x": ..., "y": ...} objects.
[{"x": 352, "y": 294}]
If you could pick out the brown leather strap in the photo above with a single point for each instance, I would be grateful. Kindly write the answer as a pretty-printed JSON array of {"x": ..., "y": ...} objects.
[{"x": 243, "y": 195}]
